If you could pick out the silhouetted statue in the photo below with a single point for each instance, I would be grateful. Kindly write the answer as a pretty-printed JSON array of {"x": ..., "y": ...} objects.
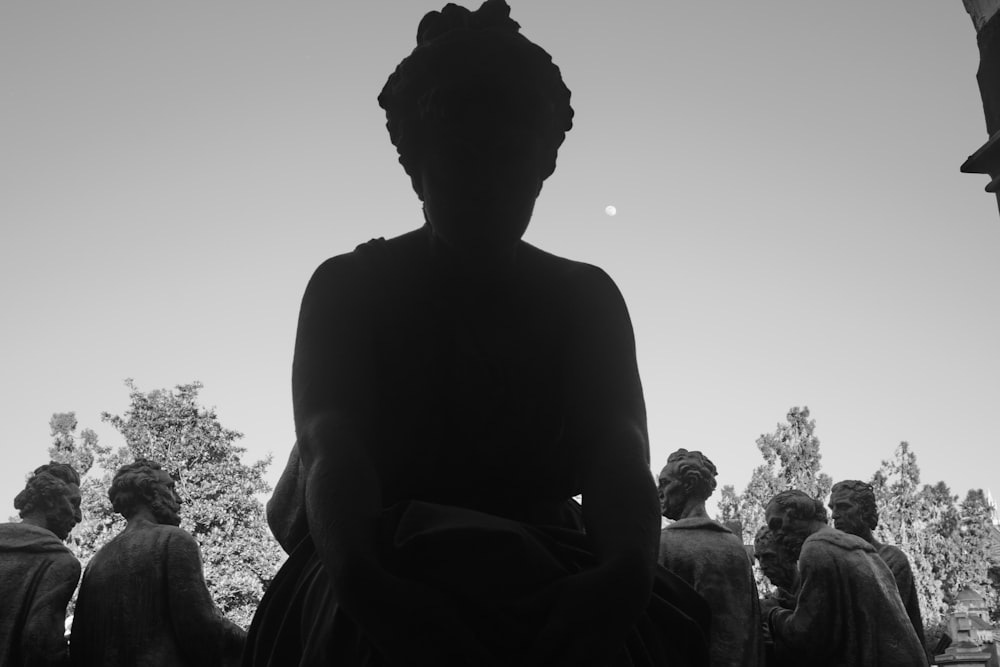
[
  {"x": 38, "y": 574},
  {"x": 454, "y": 388},
  {"x": 143, "y": 599},
  {"x": 848, "y": 612},
  {"x": 708, "y": 556},
  {"x": 852, "y": 503}
]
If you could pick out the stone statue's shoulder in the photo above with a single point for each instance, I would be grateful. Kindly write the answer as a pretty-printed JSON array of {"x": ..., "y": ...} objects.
[
  {"x": 698, "y": 523},
  {"x": 374, "y": 258},
  {"x": 176, "y": 534},
  {"x": 577, "y": 283},
  {"x": 888, "y": 551},
  {"x": 831, "y": 537},
  {"x": 156, "y": 533},
  {"x": 561, "y": 266},
  {"x": 894, "y": 557},
  {"x": 28, "y": 538}
]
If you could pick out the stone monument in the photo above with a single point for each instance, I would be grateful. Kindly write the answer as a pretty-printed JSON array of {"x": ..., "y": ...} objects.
[{"x": 986, "y": 160}]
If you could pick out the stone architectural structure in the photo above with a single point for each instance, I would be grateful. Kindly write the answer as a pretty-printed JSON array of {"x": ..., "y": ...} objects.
[
  {"x": 969, "y": 638},
  {"x": 986, "y": 160}
]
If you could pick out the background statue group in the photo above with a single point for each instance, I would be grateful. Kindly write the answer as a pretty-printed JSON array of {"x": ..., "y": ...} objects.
[
  {"x": 454, "y": 389},
  {"x": 142, "y": 599},
  {"x": 839, "y": 600}
]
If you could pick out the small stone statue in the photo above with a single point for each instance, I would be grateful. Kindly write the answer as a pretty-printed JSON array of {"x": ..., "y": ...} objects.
[
  {"x": 709, "y": 557},
  {"x": 143, "y": 599},
  {"x": 848, "y": 612},
  {"x": 38, "y": 574},
  {"x": 780, "y": 567},
  {"x": 852, "y": 503}
]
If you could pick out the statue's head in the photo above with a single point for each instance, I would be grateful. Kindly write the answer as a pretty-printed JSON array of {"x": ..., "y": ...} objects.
[
  {"x": 144, "y": 484},
  {"x": 776, "y": 562},
  {"x": 51, "y": 499},
  {"x": 477, "y": 113},
  {"x": 852, "y": 505},
  {"x": 793, "y": 516},
  {"x": 688, "y": 475}
]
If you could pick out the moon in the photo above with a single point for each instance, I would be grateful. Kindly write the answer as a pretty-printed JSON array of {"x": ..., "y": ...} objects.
[{"x": 610, "y": 210}]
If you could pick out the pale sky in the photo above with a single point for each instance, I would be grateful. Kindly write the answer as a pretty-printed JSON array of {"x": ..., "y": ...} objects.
[{"x": 792, "y": 227}]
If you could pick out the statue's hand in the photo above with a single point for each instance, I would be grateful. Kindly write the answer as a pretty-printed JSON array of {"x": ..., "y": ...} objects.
[
  {"x": 588, "y": 623},
  {"x": 412, "y": 624}
]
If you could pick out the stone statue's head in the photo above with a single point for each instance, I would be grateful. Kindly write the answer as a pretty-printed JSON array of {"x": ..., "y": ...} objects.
[
  {"x": 776, "y": 562},
  {"x": 477, "y": 113},
  {"x": 51, "y": 498},
  {"x": 852, "y": 504},
  {"x": 792, "y": 516},
  {"x": 144, "y": 483},
  {"x": 688, "y": 475}
]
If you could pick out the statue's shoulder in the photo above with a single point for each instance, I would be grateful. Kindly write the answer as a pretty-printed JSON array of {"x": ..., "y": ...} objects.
[
  {"x": 894, "y": 557},
  {"x": 161, "y": 534},
  {"x": 576, "y": 281},
  {"x": 541, "y": 260},
  {"x": 175, "y": 534},
  {"x": 831, "y": 540},
  {"x": 371, "y": 259}
]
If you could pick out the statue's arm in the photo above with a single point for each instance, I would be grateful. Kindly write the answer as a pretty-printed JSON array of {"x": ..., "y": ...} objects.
[
  {"x": 606, "y": 424},
  {"x": 818, "y": 617},
  {"x": 199, "y": 625},
  {"x": 332, "y": 394},
  {"x": 286, "y": 510},
  {"x": 44, "y": 638}
]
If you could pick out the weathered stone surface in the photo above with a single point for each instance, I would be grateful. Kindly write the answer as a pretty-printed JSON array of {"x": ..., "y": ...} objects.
[
  {"x": 38, "y": 575},
  {"x": 710, "y": 558},
  {"x": 854, "y": 511},
  {"x": 848, "y": 612},
  {"x": 143, "y": 599},
  {"x": 713, "y": 560}
]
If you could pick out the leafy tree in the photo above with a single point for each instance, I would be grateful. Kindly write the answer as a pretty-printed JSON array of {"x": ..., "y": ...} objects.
[
  {"x": 81, "y": 450},
  {"x": 947, "y": 542},
  {"x": 218, "y": 490},
  {"x": 905, "y": 515},
  {"x": 791, "y": 461},
  {"x": 974, "y": 534}
]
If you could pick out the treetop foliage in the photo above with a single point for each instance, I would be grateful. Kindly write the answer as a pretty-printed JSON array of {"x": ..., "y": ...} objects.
[{"x": 791, "y": 461}]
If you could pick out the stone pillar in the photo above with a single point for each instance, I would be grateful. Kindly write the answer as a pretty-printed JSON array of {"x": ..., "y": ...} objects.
[{"x": 986, "y": 160}]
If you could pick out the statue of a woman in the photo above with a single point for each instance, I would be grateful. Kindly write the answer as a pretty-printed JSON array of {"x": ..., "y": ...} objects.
[{"x": 454, "y": 389}]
